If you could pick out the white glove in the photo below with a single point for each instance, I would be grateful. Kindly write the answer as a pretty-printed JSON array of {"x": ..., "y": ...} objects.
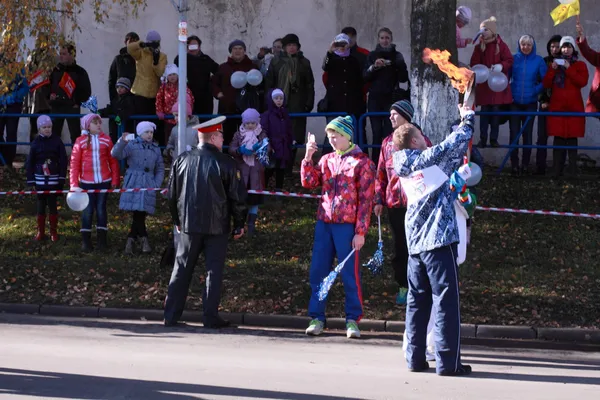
[
  {"x": 497, "y": 67},
  {"x": 464, "y": 172}
]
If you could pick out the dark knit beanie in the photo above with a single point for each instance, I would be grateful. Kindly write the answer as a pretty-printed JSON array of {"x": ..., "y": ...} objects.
[
  {"x": 289, "y": 39},
  {"x": 237, "y": 42},
  {"x": 405, "y": 109}
]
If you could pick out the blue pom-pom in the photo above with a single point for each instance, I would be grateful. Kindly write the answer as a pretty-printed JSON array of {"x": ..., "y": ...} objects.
[
  {"x": 375, "y": 264},
  {"x": 91, "y": 104}
]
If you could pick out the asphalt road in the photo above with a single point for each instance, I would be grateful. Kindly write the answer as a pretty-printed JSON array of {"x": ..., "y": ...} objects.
[{"x": 63, "y": 358}]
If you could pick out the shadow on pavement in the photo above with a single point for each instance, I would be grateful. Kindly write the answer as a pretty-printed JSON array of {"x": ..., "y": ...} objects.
[
  {"x": 155, "y": 329},
  {"x": 573, "y": 380},
  {"x": 553, "y": 357},
  {"x": 19, "y": 382},
  {"x": 531, "y": 364}
]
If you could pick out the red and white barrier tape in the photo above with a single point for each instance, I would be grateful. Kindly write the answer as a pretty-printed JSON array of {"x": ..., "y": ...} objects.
[{"x": 299, "y": 195}]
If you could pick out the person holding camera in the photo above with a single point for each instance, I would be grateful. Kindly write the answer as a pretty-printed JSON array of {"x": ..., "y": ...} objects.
[{"x": 150, "y": 65}]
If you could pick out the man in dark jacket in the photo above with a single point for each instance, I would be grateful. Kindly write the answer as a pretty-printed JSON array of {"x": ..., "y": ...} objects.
[
  {"x": 123, "y": 66},
  {"x": 292, "y": 73},
  {"x": 69, "y": 87},
  {"x": 200, "y": 68},
  {"x": 385, "y": 70},
  {"x": 223, "y": 90},
  {"x": 205, "y": 193},
  {"x": 553, "y": 48}
]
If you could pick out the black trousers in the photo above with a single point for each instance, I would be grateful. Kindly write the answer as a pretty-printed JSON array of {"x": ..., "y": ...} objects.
[
  {"x": 138, "y": 225},
  {"x": 188, "y": 250},
  {"x": 12, "y": 126},
  {"x": 400, "y": 259},
  {"x": 560, "y": 155},
  {"x": 73, "y": 123},
  {"x": 46, "y": 200},
  {"x": 279, "y": 175}
]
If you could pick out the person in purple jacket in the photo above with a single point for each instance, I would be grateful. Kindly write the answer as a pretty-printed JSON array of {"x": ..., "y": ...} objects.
[{"x": 276, "y": 122}]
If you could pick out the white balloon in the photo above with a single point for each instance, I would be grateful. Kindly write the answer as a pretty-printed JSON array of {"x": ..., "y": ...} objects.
[
  {"x": 255, "y": 77},
  {"x": 566, "y": 1},
  {"x": 497, "y": 81},
  {"x": 239, "y": 79},
  {"x": 476, "y": 174},
  {"x": 78, "y": 201},
  {"x": 482, "y": 73}
]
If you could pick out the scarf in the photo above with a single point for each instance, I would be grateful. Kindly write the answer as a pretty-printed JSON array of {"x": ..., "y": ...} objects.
[
  {"x": 288, "y": 73},
  {"x": 249, "y": 139},
  {"x": 561, "y": 72},
  {"x": 345, "y": 53},
  {"x": 348, "y": 150}
]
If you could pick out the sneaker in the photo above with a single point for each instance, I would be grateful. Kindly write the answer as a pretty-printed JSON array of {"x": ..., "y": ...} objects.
[
  {"x": 315, "y": 328},
  {"x": 401, "y": 298},
  {"x": 429, "y": 354},
  {"x": 352, "y": 331},
  {"x": 461, "y": 371}
]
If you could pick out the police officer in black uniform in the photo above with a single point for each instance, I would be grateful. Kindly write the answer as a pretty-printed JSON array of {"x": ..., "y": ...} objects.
[{"x": 205, "y": 194}]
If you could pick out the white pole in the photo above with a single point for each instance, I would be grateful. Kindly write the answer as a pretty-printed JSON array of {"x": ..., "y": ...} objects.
[{"x": 181, "y": 98}]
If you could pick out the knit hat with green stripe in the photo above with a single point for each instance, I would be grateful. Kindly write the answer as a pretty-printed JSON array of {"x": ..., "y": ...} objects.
[{"x": 343, "y": 126}]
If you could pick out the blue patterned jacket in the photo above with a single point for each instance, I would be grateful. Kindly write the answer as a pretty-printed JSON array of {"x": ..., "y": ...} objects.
[{"x": 431, "y": 221}]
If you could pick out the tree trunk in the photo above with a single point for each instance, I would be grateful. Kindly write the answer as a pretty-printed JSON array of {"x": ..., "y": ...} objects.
[{"x": 433, "y": 25}]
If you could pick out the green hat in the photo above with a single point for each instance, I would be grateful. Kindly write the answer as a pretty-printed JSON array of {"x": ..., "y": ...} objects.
[{"x": 343, "y": 126}]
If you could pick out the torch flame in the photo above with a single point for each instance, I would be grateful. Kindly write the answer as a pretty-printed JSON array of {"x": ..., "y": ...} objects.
[{"x": 459, "y": 77}]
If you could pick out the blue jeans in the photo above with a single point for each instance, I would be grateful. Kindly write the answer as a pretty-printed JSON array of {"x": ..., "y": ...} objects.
[
  {"x": 433, "y": 282},
  {"x": 516, "y": 122},
  {"x": 98, "y": 204},
  {"x": 491, "y": 121},
  {"x": 331, "y": 240}
]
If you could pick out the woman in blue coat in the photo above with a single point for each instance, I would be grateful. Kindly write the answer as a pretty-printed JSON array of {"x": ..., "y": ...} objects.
[
  {"x": 146, "y": 169},
  {"x": 528, "y": 71}
]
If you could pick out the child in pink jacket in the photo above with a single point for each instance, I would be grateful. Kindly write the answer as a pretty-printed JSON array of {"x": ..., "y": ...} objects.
[{"x": 348, "y": 180}]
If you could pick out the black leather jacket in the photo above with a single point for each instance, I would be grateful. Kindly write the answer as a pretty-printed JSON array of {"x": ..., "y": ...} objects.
[{"x": 205, "y": 192}]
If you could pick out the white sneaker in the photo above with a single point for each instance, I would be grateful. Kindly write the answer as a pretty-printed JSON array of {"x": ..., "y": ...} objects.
[
  {"x": 315, "y": 328},
  {"x": 352, "y": 331},
  {"x": 429, "y": 354}
]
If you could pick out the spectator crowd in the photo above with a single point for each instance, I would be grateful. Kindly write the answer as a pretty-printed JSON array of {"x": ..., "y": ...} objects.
[{"x": 143, "y": 82}]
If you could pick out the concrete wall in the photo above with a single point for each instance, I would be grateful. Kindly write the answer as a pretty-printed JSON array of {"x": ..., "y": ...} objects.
[{"x": 258, "y": 22}]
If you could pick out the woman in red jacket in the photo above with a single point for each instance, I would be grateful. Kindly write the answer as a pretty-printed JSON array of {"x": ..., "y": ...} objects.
[
  {"x": 566, "y": 76},
  {"x": 495, "y": 54},
  {"x": 93, "y": 167},
  {"x": 593, "y": 57}
]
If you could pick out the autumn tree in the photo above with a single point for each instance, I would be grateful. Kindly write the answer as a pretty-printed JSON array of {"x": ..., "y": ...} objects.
[
  {"x": 45, "y": 21},
  {"x": 433, "y": 25}
]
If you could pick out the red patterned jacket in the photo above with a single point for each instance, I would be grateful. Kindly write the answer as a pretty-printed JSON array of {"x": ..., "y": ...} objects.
[
  {"x": 92, "y": 162},
  {"x": 388, "y": 190},
  {"x": 167, "y": 97},
  {"x": 348, "y": 183}
]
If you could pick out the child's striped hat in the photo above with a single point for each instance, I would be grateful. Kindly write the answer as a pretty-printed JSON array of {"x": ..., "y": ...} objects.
[{"x": 343, "y": 126}]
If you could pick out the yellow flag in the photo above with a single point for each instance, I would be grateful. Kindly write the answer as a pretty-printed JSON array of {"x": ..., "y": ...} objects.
[{"x": 565, "y": 11}]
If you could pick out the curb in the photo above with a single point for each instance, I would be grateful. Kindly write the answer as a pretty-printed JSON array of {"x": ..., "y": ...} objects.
[{"x": 468, "y": 331}]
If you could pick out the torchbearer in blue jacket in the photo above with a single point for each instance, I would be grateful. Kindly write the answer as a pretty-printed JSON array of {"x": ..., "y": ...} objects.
[{"x": 432, "y": 234}]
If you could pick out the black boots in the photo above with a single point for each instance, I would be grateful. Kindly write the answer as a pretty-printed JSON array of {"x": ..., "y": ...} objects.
[
  {"x": 86, "y": 245},
  {"x": 102, "y": 241}
]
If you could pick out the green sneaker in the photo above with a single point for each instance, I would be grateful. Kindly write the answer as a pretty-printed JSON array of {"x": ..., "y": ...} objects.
[
  {"x": 315, "y": 328},
  {"x": 352, "y": 331},
  {"x": 401, "y": 298}
]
